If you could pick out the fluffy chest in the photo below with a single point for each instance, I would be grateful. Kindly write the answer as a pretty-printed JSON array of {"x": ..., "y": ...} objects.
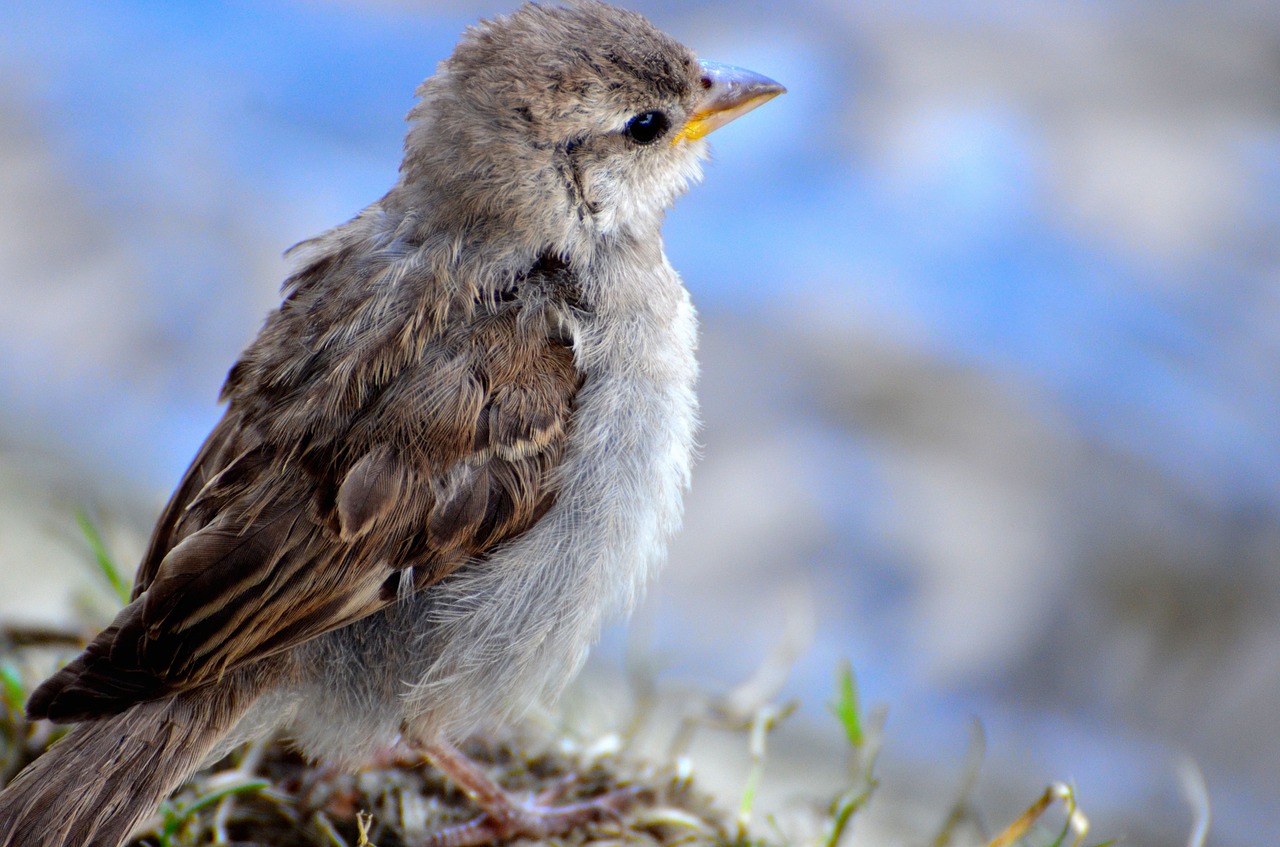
[{"x": 631, "y": 441}]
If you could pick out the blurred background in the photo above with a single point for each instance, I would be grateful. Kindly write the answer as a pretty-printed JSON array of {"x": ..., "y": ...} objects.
[{"x": 991, "y": 306}]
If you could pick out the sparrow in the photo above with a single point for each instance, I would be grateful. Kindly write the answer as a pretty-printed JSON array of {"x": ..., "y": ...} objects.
[{"x": 458, "y": 446}]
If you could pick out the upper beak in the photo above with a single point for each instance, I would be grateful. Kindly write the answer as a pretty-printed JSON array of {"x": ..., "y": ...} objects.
[{"x": 728, "y": 92}]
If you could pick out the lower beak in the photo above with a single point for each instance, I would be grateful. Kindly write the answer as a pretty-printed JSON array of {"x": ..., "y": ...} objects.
[{"x": 728, "y": 92}]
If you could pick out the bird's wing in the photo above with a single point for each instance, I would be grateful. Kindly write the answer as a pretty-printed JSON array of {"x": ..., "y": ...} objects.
[{"x": 348, "y": 468}]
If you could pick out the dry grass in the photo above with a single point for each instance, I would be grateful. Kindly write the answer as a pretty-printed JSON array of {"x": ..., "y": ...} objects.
[{"x": 283, "y": 800}]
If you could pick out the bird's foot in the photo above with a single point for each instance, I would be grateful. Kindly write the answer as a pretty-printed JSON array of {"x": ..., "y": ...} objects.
[{"x": 505, "y": 818}]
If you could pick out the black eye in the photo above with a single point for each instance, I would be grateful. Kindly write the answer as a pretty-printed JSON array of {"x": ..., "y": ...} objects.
[{"x": 647, "y": 126}]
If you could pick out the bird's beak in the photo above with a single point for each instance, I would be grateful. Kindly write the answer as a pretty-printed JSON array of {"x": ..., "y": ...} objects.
[{"x": 728, "y": 92}]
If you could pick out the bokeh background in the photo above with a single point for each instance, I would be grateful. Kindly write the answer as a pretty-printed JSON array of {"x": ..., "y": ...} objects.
[{"x": 991, "y": 303}]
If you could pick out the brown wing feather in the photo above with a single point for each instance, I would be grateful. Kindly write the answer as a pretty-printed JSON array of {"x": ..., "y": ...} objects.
[
  {"x": 314, "y": 491},
  {"x": 216, "y": 454}
]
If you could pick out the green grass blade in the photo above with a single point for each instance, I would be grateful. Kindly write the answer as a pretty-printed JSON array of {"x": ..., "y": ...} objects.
[
  {"x": 845, "y": 706},
  {"x": 14, "y": 693},
  {"x": 106, "y": 564}
]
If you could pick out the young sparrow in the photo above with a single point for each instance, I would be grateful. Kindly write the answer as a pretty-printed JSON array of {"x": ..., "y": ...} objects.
[{"x": 460, "y": 443}]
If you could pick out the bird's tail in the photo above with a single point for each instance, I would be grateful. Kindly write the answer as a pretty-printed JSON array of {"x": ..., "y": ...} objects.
[{"x": 94, "y": 786}]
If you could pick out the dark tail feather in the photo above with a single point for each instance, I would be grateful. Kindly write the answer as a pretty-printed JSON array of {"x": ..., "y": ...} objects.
[{"x": 108, "y": 775}]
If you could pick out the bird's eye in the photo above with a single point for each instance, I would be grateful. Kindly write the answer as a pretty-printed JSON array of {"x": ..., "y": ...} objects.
[{"x": 647, "y": 126}]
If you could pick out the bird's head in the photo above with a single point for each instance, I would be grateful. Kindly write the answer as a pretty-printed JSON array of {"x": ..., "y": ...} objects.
[{"x": 563, "y": 126}]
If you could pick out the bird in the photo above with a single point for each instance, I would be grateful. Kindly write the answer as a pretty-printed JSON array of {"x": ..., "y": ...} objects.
[{"x": 456, "y": 449}]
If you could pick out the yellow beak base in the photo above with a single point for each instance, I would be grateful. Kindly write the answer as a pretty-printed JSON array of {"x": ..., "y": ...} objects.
[{"x": 729, "y": 93}]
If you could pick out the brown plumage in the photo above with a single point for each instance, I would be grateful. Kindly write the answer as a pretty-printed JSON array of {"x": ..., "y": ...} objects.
[
  {"x": 345, "y": 459},
  {"x": 458, "y": 445}
]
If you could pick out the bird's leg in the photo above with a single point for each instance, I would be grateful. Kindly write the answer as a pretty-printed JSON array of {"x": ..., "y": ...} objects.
[{"x": 505, "y": 817}]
